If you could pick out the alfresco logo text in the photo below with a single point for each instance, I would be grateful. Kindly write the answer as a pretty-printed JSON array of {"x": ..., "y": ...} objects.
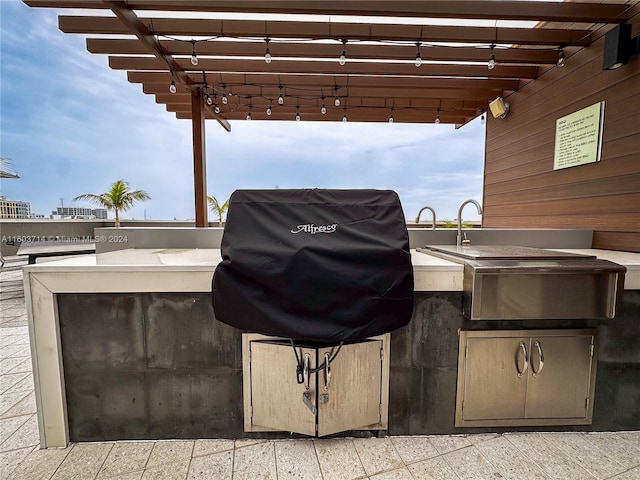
[{"x": 313, "y": 229}]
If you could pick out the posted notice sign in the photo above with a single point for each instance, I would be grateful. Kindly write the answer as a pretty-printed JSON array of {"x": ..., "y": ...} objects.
[{"x": 579, "y": 137}]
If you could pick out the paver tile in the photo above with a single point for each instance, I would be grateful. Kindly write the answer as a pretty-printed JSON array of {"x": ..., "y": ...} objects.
[
  {"x": 8, "y": 426},
  {"x": 616, "y": 446},
  {"x": 83, "y": 462},
  {"x": 170, "y": 452},
  {"x": 24, "y": 385},
  {"x": 414, "y": 449},
  {"x": 585, "y": 453},
  {"x": 24, "y": 365},
  {"x": 338, "y": 459},
  {"x": 247, "y": 442},
  {"x": 39, "y": 464},
  {"x": 9, "y": 400},
  {"x": 435, "y": 468},
  {"x": 10, "y": 460},
  {"x": 510, "y": 462},
  {"x": 554, "y": 463},
  {"x": 633, "y": 474},
  {"x": 377, "y": 455},
  {"x": 24, "y": 407},
  {"x": 398, "y": 474},
  {"x": 296, "y": 459},
  {"x": 449, "y": 443},
  {"x": 469, "y": 464},
  {"x": 217, "y": 465},
  {"x": 168, "y": 471},
  {"x": 256, "y": 462},
  {"x": 207, "y": 447},
  {"x": 8, "y": 380},
  {"x": 126, "y": 457},
  {"x": 25, "y": 436}
]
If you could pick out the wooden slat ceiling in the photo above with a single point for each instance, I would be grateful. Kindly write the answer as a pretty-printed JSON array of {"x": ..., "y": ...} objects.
[{"x": 153, "y": 40}]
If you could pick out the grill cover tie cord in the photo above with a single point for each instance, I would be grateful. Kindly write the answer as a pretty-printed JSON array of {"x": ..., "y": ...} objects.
[
  {"x": 300, "y": 370},
  {"x": 315, "y": 265}
]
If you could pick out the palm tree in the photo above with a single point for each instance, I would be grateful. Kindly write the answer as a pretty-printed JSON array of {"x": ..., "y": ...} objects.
[
  {"x": 217, "y": 208},
  {"x": 118, "y": 198}
]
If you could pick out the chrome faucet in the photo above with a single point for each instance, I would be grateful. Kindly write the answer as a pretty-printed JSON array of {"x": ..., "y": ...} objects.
[
  {"x": 433, "y": 212},
  {"x": 459, "y": 237}
]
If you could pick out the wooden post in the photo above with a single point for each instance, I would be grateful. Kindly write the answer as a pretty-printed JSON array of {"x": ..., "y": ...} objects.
[{"x": 199, "y": 160}]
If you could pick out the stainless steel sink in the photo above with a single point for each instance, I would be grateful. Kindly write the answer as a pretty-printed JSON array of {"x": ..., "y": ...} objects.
[{"x": 513, "y": 283}]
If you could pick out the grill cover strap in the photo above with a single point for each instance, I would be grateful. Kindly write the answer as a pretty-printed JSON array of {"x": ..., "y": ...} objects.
[{"x": 321, "y": 265}]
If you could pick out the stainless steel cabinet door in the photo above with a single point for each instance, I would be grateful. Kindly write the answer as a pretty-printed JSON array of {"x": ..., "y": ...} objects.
[
  {"x": 526, "y": 377},
  {"x": 495, "y": 378},
  {"x": 560, "y": 379}
]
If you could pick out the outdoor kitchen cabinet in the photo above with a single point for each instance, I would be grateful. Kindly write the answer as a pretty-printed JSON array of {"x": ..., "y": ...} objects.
[
  {"x": 525, "y": 377},
  {"x": 356, "y": 397}
]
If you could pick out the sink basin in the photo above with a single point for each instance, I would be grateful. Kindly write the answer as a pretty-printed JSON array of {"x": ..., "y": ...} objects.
[{"x": 513, "y": 283}]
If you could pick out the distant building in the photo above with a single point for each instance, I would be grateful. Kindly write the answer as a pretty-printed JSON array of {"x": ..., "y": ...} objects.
[
  {"x": 79, "y": 212},
  {"x": 14, "y": 208}
]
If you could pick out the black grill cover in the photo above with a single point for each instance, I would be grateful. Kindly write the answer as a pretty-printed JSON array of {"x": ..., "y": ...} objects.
[{"x": 321, "y": 265}]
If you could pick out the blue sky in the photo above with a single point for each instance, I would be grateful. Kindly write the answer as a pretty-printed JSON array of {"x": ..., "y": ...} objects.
[{"x": 71, "y": 125}]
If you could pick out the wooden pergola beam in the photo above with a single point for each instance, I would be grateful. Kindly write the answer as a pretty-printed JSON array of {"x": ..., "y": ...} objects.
[
  {"x": 352, "y": 116},
  {"x": 118, "y": 46},
  {"x": 131, "y": 21},
  {"x": 195, "y": 27},
  {"x": 493, "y": 10},
  {"x": 326, "y": 83},
  {"x": 329, "y": 68},
  {"x": 351, "y": 93},
  {"x": 451, "y": 104}
]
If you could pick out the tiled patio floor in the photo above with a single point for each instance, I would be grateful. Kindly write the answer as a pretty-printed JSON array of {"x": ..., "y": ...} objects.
[{"x": 559, "y": 456}]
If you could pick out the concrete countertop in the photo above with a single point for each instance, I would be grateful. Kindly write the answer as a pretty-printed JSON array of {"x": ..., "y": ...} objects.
[{"x": 430, "y": 273}]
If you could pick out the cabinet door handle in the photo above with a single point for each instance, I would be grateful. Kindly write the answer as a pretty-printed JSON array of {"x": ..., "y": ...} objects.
[
  {"x": 523, "y": 347},
  {"x": 306, "y": 371},
  {"x": 541, "y": 355}
]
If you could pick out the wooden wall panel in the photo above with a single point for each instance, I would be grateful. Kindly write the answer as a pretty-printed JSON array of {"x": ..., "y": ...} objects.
[{"x": 521, "y": 189}]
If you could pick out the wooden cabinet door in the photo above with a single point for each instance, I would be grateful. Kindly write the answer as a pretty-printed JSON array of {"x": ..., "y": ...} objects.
[
  {"x": 354, "y": 393},
  {"x": 276, "y": 397},
  {"x": 560, "y": 379},
  {"x": 495, "y": 377},
  {"x": 351, "y": 401}
]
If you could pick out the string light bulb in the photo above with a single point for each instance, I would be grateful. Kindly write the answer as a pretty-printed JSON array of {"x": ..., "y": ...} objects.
[
  {"x": 267, "y": 52},
  {"x": 224, "y": 97},
  {"x": 492, "y": 59},
  {"x": 418, "y": 56},
  {"x": 172, "y": 87},
  {"x": 560, "y": 61},
  {"x": 269, "y": 110},
  {"x": 323, "y": 109},
  {"x": 391, "y": 118},
  {"x": 344, "y": 117},
  {"x": 336, "y": 102},
  {"x": 343, "y": 55},
  {"x": 208, "y": 99},
  {"x": 216, "y": 108},
  {"x": 249, "y": 114},
  {"x": 438, "y": 117},
  {"x": 297, "y": 114},
  {"x": 194, "y": 55},
  {"x": 280, "y": 97}
]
